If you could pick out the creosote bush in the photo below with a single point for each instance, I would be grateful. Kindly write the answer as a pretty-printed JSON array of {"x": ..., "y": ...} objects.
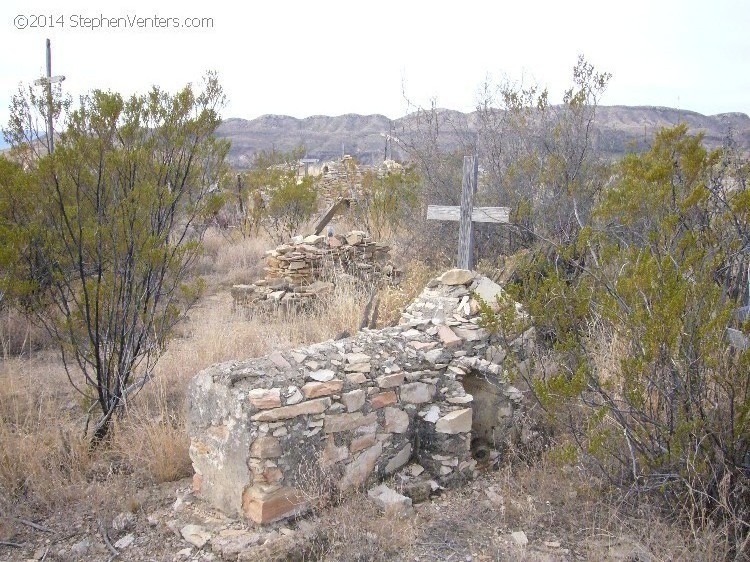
[{"x": 636, "y": 310}]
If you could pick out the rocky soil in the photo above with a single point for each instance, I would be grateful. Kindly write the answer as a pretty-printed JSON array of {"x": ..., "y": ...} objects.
[{"x": 490, "y": 518}]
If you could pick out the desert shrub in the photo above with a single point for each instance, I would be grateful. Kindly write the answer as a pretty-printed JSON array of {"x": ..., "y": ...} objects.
[
  {"x": 387, "y": 201},
  {"x": 291, "y": 205},
  {"x": 637, "y": 309}
]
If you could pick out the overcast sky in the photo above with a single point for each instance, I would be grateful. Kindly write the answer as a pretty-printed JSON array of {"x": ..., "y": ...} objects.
[{"x": 327, "y": 57}]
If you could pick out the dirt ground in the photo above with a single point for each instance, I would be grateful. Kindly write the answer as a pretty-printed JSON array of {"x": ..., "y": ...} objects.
[{"x": 508, "y": 514}]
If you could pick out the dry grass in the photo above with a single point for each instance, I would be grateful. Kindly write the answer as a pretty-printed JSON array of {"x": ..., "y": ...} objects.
[
  {"x": 394, "y": 299},
  {"x": 43, "y": 459},
  {"x": 45, "y": 462},
  {"x": 228, "y": 258},
  {"x": 358, "y": 531},
  {"x": 19, "y": 336}
]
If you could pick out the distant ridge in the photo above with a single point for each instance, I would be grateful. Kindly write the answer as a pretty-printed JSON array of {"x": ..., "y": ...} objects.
[{"x": 618, "y": 130}]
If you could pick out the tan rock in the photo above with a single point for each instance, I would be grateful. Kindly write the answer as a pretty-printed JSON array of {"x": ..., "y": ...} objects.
[
  {"x": 358, "y": 368},
  {"x": 197, "y": 483},
  {"x": 268, "y": 506},
  {"x": 357, "y": 472},
  {"x": 266, "y": 447},
  {"x": 383, "y": 399},
  {"x": 196, "y": 535},
  {"x": 264, "y": 399},
  {"x": 417, "y": 392},
  {"x": 277, "y": 359},
  {"x": 457, "y": 277},
  {"x": 198, "y": 447},
  {"x": 332, "y": 454},
  {"x": 318, "y": 389},
  {"x": 347, "y": 422},
  {"x": 353, "y": 239},
  {"x": 390, "y": 381},
  {"x": 218, "y": 432},
  {"x": 268, "y": 475},
  {"x": 353, "y": 358},
  {"x": 423, "y": 345},
  {"x": 448, "y": 337},
  {"x": 360, "y": 443},
  {"x": 317, "y": 406},
  {"x": 356, "y": 378},
  {"x": 354, "y": 400},
  {"x": 314, "y": 239},
  {"x": 396, "y": 420},
  {"x": 455, "y": 422}
]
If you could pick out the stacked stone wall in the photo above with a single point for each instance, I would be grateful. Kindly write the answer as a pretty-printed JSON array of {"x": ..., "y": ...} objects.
[{"x": 268, "y": 434}]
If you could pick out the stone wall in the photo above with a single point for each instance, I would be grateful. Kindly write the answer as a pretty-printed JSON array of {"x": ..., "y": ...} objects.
[
  {"x": 268, "y": 434},
  {"x": 301, "y": 271}
]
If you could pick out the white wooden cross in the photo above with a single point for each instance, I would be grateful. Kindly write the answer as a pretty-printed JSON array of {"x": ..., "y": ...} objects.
[{"x": 467, "y": 215}]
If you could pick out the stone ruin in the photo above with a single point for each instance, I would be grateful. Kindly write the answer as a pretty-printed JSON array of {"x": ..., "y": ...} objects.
[
  {"x": 302, "y": 270},
  {"x": 411, "y": 401}
]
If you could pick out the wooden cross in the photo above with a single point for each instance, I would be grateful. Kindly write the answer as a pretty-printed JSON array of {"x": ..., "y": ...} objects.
[
  {"x": 467, "y": 215},
  {"x": 48, "y": 81}
]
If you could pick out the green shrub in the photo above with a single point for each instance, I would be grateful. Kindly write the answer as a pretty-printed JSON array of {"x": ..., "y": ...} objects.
[{"x": 636, "y": 309}]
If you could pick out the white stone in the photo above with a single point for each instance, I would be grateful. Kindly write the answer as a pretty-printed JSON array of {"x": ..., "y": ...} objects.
[
  {"x": 520, "y": 538},
  {"x": 416, "y": 469},
  {"x": 195, "y": 535},
  {"x": 354, "y": 400},
  {"x": 293, "y": 396},
  {"x": 455, "y": 422},
  {"x": 433, "y": 355},
  {"x": 432, "y": 414},
  {"x": 488, "y": 291},
  {"x": 385, "y": 497},
  {"x": 125, "y": 541},
  {"x": 411, "y": 334},
  {"x": 322, "y": 375}
]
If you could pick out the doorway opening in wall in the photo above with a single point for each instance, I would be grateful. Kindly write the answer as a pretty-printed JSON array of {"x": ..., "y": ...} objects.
[{"x": 491, "y": 418}]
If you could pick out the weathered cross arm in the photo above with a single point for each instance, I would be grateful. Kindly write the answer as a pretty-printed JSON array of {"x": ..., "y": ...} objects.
[
  {"x": 467, "y": 215},
  {"x": 478, "y": 214}
]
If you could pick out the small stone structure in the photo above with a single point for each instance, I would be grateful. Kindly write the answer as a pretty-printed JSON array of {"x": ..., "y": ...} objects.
[
  {"x": 302, "y": 269},
  {"x": 265, "y": 433}
]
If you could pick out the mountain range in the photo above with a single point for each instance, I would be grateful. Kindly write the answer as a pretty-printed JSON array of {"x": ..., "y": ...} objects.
[{"x": 617, "y": 130}]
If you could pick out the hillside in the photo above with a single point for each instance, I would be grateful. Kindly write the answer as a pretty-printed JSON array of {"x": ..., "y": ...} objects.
[{"x": 617, "y": 128}]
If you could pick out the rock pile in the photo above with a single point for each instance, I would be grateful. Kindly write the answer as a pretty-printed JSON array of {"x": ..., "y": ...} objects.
[
  {"x": 407, "y": 400},
  {"x": 304, "y": 269}
]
